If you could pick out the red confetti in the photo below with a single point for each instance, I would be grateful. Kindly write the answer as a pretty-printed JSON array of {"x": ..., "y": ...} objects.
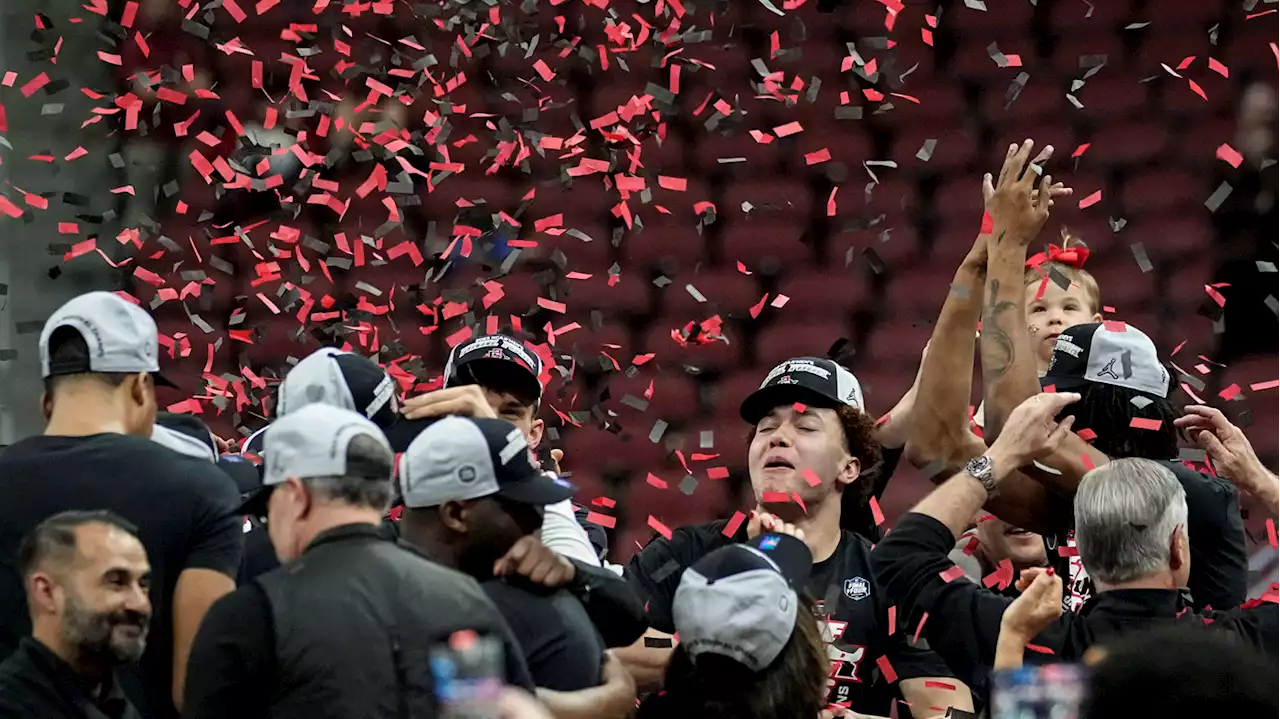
[
  {"x": 655, "y": 481},
  {"x": 659, "y": 527},
  {"x": 1086, "y": 434},
  {"x": 876, "y": 514},
  {"x": 932, "y": 684},
  {"x": 1068, "y": 552},
  {"x": 893, "y": 619},
  {"x": 1219, "y": 68},
  {"x": 775, "y": 497},
  {"x": 919, "y": 628},
  {"x": 735, "y": 522},
  {"x": 1039, "y": 649},
  {"x": 811, "y": 477},
  {"x": 952, "y": 574},
  {"x": 886, "y": 669},
  {"x": 35, "y": 84},
  {"x": 717, "y": 472},
  {"x": 604, "y": 520},
  {"x": 1091, "y": 200},
  {"x": 790, "y": 128},
  {"x": 1271, "y": 532},
  {"x": 1143, "y": 423},
  {"x": 1195, "y": 87},
  {"x": 1228, "y": 154}
]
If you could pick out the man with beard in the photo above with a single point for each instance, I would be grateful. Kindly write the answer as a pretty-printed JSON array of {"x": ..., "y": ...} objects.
[{"x": 87, "y": 580}]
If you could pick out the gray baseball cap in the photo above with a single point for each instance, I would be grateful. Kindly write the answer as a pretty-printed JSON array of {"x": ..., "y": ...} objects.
[
  {"x": 121, "y": 337},
  {"x": 462, "y": 458},
  {"x": 741, "y": 601},
  {"x": 1111, "y": 353},
  {"x": 310, "y": 442},
  {"x": 341, "y": 379}
]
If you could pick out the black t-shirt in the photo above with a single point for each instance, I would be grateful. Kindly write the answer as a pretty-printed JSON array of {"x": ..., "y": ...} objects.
[
  {"x": 856, "y": 628},
  {"x": 184, "y": 508},
  {"x": 1219, "y": 561},
  {"x": 561, "y": 646}
]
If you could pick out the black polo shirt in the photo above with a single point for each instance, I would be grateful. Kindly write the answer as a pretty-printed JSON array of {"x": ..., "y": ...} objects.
[
  {"x": 184, "y": 508},
  {"x": 35, "y": 682},
  {"x": 963, "y": 624},
  {"x": 561, "y": 647},
  {"x": 854, "y": 614},
  {"x": 1219, "y": 560}
]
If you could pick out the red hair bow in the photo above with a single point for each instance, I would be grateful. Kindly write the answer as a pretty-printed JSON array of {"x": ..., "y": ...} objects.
[{"x": 1073, "y": 257}]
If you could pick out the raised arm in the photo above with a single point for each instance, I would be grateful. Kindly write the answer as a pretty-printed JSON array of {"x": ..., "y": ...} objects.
[
  {"x": 940, "y": 437},
  {"x": 1008, "y": 361}
]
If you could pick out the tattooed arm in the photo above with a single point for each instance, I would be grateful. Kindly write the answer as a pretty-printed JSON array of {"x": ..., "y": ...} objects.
[
  {"x": 1008, "y": 361},
  {"x": 940, "y": 439}
]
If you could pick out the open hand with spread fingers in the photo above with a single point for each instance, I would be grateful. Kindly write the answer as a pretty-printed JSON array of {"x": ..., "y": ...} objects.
[
  {"x": 467, "y": 401},
  {"x": 1020, "y": 197},
  {"x": 1225, "y": 443}
]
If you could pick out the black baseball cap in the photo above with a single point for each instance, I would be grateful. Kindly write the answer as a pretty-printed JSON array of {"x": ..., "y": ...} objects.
[
  {"x": 811, "y": 381},
  {"x": 1111, "y": 353},
  {"x": 463, "y": 458},
  {"x": 473, "y": 361}
]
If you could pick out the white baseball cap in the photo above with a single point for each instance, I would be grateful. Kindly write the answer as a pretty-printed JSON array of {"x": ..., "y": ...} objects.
[{"x": 121, "y": 337}]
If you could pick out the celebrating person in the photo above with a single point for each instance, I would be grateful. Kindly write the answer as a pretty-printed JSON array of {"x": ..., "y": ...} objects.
[
  {"x": 1131, "y": 531},
  {"x": 510, "y": 376},
  {"x": 811, "y": 439},
  {"x": 99, "y": 357},
  {"x": 87, "y": 580}
]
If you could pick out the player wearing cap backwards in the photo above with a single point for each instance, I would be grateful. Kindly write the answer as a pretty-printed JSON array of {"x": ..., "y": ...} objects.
[
  {"x": 473, "y": 500},
  {"x": 1125, "y": 405},
  {"x": 749, "y": 647},
  {"x": 810, "y": 442},
  {"x": 347, "y": 626},
  {"x": 497, "y": 376},
  {"x": 99, "y": 356}
]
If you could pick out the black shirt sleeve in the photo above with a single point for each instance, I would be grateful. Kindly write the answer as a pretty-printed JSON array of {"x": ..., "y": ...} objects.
[
  {"x": 655, "y": 571},
  {"x": 964, "y": 618},
  {"x": 232, "y": 666},
  {"x": 553, "y": 659},
  {"x": 1219, "y": 560},
  {"x": 216, "y": 540},
  {"x": 613, "y": 605}
]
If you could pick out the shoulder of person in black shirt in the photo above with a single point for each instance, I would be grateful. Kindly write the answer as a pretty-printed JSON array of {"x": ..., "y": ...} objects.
[
  {"x": 259, "y": 555},
  {"x": 1219, "y": 558},
  {"x": 655, "y": 571},
  {"x": 185, "y": 510},
  {"x": 34, "y": 682},
  {"x": 561, "y": 646}
]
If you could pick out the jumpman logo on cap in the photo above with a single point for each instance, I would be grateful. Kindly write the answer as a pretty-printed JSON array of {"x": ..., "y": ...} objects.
[{"x": 1109, "y": 370}]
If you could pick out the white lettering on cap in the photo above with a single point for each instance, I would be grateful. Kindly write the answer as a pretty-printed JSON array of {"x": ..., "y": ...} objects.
[
  {"x": 796, "y": 366},
  {"x": 1066, "y": 345}
]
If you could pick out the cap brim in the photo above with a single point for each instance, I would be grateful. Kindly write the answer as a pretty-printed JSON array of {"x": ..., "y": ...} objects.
[
  {"x": 763, "y": 400},
  {"x": 256, "y": 503},
  {"x": 791, "y": 555},
  {"x": 161, "y": 381},
  {"x": 538, "y": 490},
  {"x": 1063, "y": 382}
]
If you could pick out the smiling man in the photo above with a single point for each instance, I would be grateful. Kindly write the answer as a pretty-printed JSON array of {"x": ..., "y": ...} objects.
[{"x": 811, "y": 444}]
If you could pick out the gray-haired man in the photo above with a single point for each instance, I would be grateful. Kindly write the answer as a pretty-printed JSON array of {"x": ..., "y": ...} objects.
[{"x": 1131, "y": 532}]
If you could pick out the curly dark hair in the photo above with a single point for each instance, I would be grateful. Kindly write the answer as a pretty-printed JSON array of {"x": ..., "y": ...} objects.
[{"x": 1108, "y": 410}]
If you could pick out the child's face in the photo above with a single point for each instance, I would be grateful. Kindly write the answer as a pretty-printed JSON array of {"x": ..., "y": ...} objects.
[{"x": 1052, "y": 312}]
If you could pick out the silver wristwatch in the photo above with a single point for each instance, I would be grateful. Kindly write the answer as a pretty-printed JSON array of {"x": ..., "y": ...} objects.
[{"x": 981, "y": 469}]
